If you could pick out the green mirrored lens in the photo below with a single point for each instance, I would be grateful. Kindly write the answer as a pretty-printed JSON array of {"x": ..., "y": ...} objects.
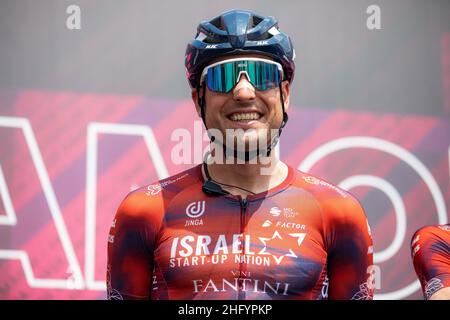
[{"x": 223, "y": 77}]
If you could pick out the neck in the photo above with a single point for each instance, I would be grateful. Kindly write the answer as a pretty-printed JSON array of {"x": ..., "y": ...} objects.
[{"x": 257, "y": 177}]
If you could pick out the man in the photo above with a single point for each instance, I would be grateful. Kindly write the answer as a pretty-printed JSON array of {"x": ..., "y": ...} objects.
[
  {"x": 253, "y": 228},
  {"x": 430, "y": 250}
]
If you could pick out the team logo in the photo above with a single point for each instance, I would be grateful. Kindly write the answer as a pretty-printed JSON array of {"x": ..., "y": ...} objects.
[
  {"x": 276, "y": 235},
  {"x": 195, "y": 209}
]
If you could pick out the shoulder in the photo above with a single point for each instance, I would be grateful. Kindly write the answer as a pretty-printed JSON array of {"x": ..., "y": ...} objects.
[
  {"x": 431, "y": 233},
  {"x": 335, "y": 202},
  {"x": 150, "y": 201}
]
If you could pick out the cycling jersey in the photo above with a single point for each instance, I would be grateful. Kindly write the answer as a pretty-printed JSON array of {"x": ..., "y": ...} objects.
[
  {"x": 303, "y": 239},
  {"x": 430, "y": 248}
]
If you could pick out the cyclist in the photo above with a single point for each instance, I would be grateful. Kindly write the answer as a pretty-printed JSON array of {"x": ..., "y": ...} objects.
[{"x": 250, "y": 229}]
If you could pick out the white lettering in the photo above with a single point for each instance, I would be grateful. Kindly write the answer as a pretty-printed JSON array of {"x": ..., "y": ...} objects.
[
  {"x": 212, "y": 285},
  {"x": 202, "y": 245},
  {"x": 236, "y": 247},
  {"x": 221, "y": 245},
  {"x": 174, "y": 248},
  {"x": 74, "y": 20},
  {"x": 374, "y": 20},
  {"x": 183, "y": 243},
  {"x": 235, "y": 287},
  {"x": 247, "y": 245}
]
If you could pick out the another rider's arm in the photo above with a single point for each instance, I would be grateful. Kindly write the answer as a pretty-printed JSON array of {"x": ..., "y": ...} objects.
[
  {"x": 431, "y": 259},
  {"x": 130, "y": 247},
  {"x": 350, "y": 250},
  {"x": 442, "y": 294}
]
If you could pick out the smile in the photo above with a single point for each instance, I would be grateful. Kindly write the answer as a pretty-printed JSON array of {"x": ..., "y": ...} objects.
[{"x": 244, "y": 116}]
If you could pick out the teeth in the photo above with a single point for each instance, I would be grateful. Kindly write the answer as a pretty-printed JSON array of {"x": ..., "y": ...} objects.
[{"x": 245, "y": 116}]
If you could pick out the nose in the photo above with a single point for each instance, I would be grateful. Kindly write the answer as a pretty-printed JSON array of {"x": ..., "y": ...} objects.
[{"x": 244, "y": 90}]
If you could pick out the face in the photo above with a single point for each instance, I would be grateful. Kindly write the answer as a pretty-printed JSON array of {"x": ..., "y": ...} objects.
[{"x": 253, "y": 111}]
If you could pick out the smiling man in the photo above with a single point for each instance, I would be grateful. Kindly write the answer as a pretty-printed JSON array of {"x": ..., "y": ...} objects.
[{"x": 253, "y": 227}]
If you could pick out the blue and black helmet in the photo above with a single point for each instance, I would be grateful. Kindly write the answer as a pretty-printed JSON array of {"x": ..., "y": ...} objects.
[{"x": 236, "y": 32}]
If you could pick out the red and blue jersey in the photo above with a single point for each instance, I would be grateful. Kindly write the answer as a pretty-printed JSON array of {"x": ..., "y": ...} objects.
[
  {"x": 430, "y": 249},
  {"x": 303, "y": 239}
]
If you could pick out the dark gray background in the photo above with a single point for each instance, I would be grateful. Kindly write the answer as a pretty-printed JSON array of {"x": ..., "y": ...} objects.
[{"x": 137, "y": 48}]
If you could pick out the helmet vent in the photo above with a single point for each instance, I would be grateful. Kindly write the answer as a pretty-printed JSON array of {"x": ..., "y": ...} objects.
[
  {"x": 256, "y": 20},
  {"x": 217, "y": 22}
]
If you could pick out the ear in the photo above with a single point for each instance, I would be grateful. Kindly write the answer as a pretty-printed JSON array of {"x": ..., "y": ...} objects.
[
  {"x": 194, "y": 96},
  {"x": 286, "y": 88}
]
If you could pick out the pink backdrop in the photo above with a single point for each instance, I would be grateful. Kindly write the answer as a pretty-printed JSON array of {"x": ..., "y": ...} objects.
[{"x": 57, "y": 145}]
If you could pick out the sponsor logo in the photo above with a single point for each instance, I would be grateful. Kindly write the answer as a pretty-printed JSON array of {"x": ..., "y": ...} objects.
[
  {"x": 325, "y": 286},
  {"x": 291, "y": 225},
  {"x": 211, "y": 46},
  {"x": 194, "y": 222},
  {"x": 267, "y": 223},
  {"x": 276, "y": 235},
  {"x": 364, "y": 293},
  {"x": 154, "y": 189},
  {"x": 155, "y": 280},
  {"x": 445, "y": 228},
  {"x": 113, "y": 224},
  {"x": 241, "y": 285},
  {"x": 415, "y": 240},
  {"x": 289, "y": 213},
  {"x": 110, "y": 238},
  {"x": 275, "y": 211},
  {"x": 374, "y": 278},
  {"x": 312, "y": 180},
  {"x": 112, "y": 294},
  {"x": 195, "y": 209},
  {"x": 196, "y": 250},
  {"x": 262, "y": 43},
  {"x": 415, "y": 250},
  {"x": 315, "y": 181},
  {"x": 368, "y": 228}
]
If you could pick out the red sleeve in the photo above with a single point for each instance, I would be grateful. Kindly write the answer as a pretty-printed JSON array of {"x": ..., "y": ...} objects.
[
  {"x": 131, "y": 244},
  {"x": 430, "y": 249},
  {"x": 350, "y": 250}
]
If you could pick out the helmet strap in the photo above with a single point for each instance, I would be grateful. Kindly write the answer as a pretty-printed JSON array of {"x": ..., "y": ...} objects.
[{"x": 283, "y": 123}]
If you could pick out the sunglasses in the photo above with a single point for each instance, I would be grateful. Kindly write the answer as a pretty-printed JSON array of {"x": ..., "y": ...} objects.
[{"x": 224, "y": 75}]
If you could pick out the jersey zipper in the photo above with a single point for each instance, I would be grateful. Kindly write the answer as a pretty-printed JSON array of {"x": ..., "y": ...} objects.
[{"x": 242, "y": 264}]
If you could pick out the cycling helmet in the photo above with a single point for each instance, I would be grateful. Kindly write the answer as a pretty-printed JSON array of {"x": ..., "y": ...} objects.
[{"x": 237, "y": 32}]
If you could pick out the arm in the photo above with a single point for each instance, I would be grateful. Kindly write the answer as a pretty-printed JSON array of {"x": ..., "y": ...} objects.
[
  {"x": 130, "y": 250},
  {"x": 350, "y": 252},
  {"x": 431, "y": 258},
  {"x": 442, "y": 294}
]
